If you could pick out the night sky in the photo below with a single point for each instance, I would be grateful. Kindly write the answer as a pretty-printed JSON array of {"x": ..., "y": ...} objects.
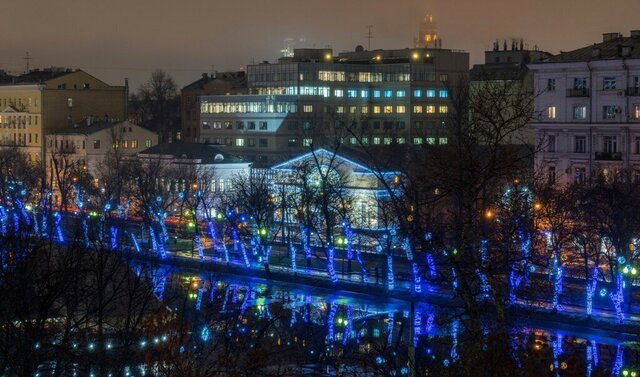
[{"x": 113, "y": 39}]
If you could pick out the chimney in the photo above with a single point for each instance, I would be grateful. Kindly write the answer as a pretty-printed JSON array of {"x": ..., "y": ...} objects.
[
  {"x": 606, "y": 37},
  {"x": 635, "y": 33},
  {"x": 205, "y": 76}
]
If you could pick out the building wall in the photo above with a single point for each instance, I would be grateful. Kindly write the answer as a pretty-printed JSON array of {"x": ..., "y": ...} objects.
[
  {"x": 24, "y": 127},
  {"x": 603, "y": 117}
]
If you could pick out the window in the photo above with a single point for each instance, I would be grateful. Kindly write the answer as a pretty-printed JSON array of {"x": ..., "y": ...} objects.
[
  {"x": 636, "y": 82},
  {"x": 376, "y": 94},
  {"x": 263, "y": 143},
  {"x": 251, "y": 125},
  {"x": 70, "y": 102},
  {"x": 364, "y": 93},
  {"x": 609, "y": 112},
  {"x": 364, "y": 141},
  {"x": 251, "y": 142},
  {"x": 240, "y": 125},
  {"x": 387, "y": 141},
  {"x": 444, "y": 93},
  {"x": 636, "y": 111},
  {"x": 353, "y": 140},
  {"x": 306, "y": 125},
  {"x": 610, "y": 144},
  {"x": 388, "y": 93},
  {"x": 292, "y": 142},
  {"x": 134, "y": 144},
  {"x": 551, "y": 175},
  {"x": 551, "y": 112},
  {"x": 417, "y": 109},
  {"x": 444, "y": 78},
  {"x": 376, "y": 109},
  {"x": 338, "y": 93},
  {"x": 431, "y": 93},
  {"x": 206, "y": 126},
  {"x": 580, "y": 144},
  {"x": 339, "y": 109},
  {"x": 228, "y": 125},
  {"x": 147, "y": 143},
  {"x": 376, "y": 140},
  {"x": 417, "y": 140},
  {"x": 551, "y": 143},
  {"x": 228, "y": 141},
  {"x": 443, "y": 141},
  {"x": 400, "y": 109},
  {"x": 96, "y": 144},
  {"x": 352, "y": 93},
  {"x": 401, "y": 93},
  {"x": 431, "y": 140},
  {"x": 239, "y": 142},
  {"x": 307, "y": 142},
  {"x": 580, "y": 112},
  {"x": 217, "y": 125},
  {"x": 263, "y": 125},
  {"x": 551, "y": 85},
  {"x": 443, "y": 109},
  {"x": 637, "y": 149},
  {"x": 417, "y": 93},
  {"x": 353, "y": 109},
  {"x": 430, "y": 109},
  {"x": 581, "y": 175},
  {"x": 580, "y": 83},
  {"x": 365, "y": 109},
  {"x": 608, "y": 83},
  {"x": 388, "y": 109},
  {"x": 307, "y": 108},
  {"x": 401, "y": 140}
]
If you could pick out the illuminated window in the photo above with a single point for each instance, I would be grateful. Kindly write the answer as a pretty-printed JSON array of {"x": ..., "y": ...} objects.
[
  {"x": 417, "y": 140},
  {"x": 417, "y": 109},
  {"x": 443, "y": 109},
  {"x": 353, "y": 140},
  {"x": 401, "y": 93},
  {"x": 307, "y": 108},
  {"x": 338, "y": 93},
  {"x": 352, "y": 109},
  {"x": 444, "y": 93},
  {"x": 376, "y": 109},
  {"x": 417, "y": 93},
  {"x": 580, "y": 112},
  {"x": 430, "y": 109},
  {"x": 551, "y": 112},
  {"x": 365, "y": 141},
  {"x": 431, "y": 93},
  {"x": 147, "y": 143},
  {"x": 364, "y": 93},
  {"x": 431, "y": 140},
  {"x": 442, "y": 141},
  {"x": 376, "y": 94},
  {"x": 134, "y": 144},
  {"x": 307, "y": 142},
  {"x": 339, "y": 109},
  {"x": 239, "y": 142},
  {"x": 636, "y": 111},
  {"x": 388, "y": 109},
  {"x": 70, "y": 102},
  {"x": 400, "y": 109},
  {"x": 376, "y": 140},
  {"x": 387, "y": 141},
  {"x": 365, "y": 109},
  {"x": 388, "y": 93},
  {"x": 351, "y": 93},
  {"x": 444, "y": 78},
  {"x": 401, "y": 140}
]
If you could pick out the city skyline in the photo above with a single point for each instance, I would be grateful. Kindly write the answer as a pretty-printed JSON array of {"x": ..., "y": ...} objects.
[{"x": 119, "y": 39}]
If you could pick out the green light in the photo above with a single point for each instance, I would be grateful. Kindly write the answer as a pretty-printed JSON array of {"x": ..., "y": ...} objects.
[
  {"x": 191, "y": 224},
  {"x": 634, "y": 271},
  {"x": 263, "y": 232},
  {"x": 28, "y": 207},
  {"x": 455, "y": 251},
  {"x": 634, "y": 374},
  {"x": 625, "y": 372},
  {"x": 625, "y": 270},
  {"x": 219, "y": 216}
]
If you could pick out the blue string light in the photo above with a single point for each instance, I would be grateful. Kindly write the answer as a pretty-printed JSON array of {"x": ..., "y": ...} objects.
[
  {"x": 618, "y": 364},
  {"x": 432, "y": 265},
  {"x": 59, "y": 232},
  {"x": 305, "y": 242},
  {"x": 365, "y": 274},
  {"x": 594, "y": 346},
  {"x": 390, "y": 324},
  {"x": 349, "y": 326},
  {"x": 349, "y": 238},
  {"x": 515, "y": 279},
  {"x": 557, "y": 288},
  {"x": 589, "y": 354},
  {"x": 416, "y": 278},
  {"x": 330, "y": 320},
  {"x": 591, "y": 289},
  {"x": 484, "y": 247},
  {"x": 618, "y": 297},
  {"x": 114, "y": 237},
  {"x": 417, "y": 326},
  {"x": 485, "y": 288},
  {"x": 197, "y": 244},
  {"x": 85, "y": 232},
  {"x": 406, "y": 245},
  {"x": 330, "y": 264},
  {"x": 454, "y": 341},
  {"x": 134, "y": 242},
  {"x": 390, "y": 278},
  {"x": 199, "y": 298},
  {"x": 292, "y": 255}
]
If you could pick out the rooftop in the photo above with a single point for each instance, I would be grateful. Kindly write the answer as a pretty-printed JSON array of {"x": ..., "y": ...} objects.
[
  {"x": 207, "y": 153},
  {"x": 613, "y": 46},
  {"x": 237, "y": 79}
]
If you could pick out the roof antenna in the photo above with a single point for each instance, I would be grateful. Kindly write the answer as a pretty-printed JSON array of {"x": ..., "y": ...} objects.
[
  {"x": 369, "y": 36},
  {"x": 27, "y": 58}
]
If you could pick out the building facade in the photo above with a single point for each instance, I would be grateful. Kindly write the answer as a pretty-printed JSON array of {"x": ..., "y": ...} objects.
[
  {"x": 43, "y": 101},
  {"x": 588, "y": 110},
  {"x": 382, "y": 97}
]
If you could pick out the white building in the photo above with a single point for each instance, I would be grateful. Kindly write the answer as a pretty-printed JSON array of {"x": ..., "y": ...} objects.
[
  {"x": 91, "y": 143},
  {"x": 588, "y": 110}
]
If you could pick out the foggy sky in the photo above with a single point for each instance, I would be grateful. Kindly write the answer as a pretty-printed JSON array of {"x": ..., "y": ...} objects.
[{"x": 114, "y": 39}]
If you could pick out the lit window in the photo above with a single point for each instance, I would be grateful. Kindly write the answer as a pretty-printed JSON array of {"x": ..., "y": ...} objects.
[
  {"x": 353, "y": 140},
  {"x": 444, "y": 78},
  {"x": 431, "y": 93},
  {"x": 364, "y": 93},
  {"x": 442, "y": 141},
  {"x": 307, "y": 108},
  {"x": 70, "y": 102},
  {"x": 430, "y": 109},
  {"x": 147, "y": 143},
  {"x": 417, "y": 93},
  {"x": 388, "y": 93},
  {"x": 365, "y": 141},
  {"x": 339, "y": 109},
  {"x": 444, "y": 93},
  {"x": 636, "y": 111},
  {"x": 579, "y": 112},
  {"x": 417, "y": 109},
  {"x": 239, "y": 142},
  {"x": 401, "y": 140},
  {"x": 376, "y": 94},
  {"x": 443, "y": 109},
  {"x": 307, "y": 142},
  {"x": 388, "y": 109},
  {"x": 417, "y": 140},
  {"x": 352, "y": 109},
  {"x": 551, "y": 112},
  {"x": 351, "y": 93},
  {"x": 431, "y": 140},
  {"x": 338, "y": 93},
  {"x": 376, "y": 140},
  {"x": 400, "y": 109},
  {"x": 387, "y": 141},
  {"x": 365, "y": 109},
  {"x": 401, "y": 93},
  {"x": 376, "y": 109}
]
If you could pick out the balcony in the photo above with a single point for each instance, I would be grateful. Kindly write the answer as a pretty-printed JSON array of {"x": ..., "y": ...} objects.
[
  {"x": 609, "y": 156},
  {"x": 578, "y": 92},
  {"x": 633, "y": 91}
]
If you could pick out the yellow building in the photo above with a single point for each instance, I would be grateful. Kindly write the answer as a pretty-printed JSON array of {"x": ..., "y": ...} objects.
[{"x": 42, "y": 101}]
